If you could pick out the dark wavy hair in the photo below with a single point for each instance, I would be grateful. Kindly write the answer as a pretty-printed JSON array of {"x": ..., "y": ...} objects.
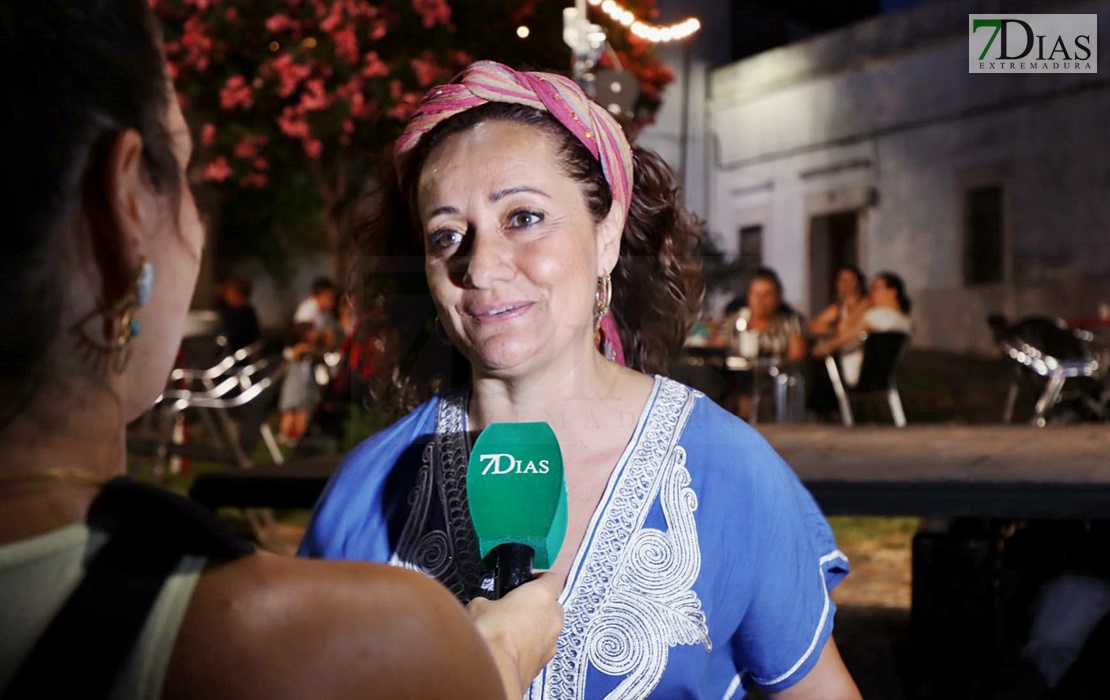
[
  {"x": 84, "y": 70},
  {"x": 657, "y": 282},
  {"x": 861, "y": 279},
  {"x": 895, "y": 282}
]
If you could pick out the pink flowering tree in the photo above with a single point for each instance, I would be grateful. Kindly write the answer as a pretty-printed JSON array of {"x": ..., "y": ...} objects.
[{"x": 294, "y": 101}]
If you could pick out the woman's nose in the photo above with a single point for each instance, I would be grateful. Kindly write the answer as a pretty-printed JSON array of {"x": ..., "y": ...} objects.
[{"x": 487, "y": 261}]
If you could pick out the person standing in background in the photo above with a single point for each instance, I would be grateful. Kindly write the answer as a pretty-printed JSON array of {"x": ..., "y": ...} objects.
[
  {"x": 319, "y": 310},
  {"x": 238, "y": 319}
]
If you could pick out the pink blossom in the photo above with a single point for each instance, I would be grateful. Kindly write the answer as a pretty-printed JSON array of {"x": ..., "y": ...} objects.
[
  {"x": 359, "y": 107},
  {"x": 278, "y": 23},
  {"x": 348, "y": 126},
  {"x": 236, "y": 93},
  {"x": 405, "y": 106},
  {"x": 346, "y": 44},
  {"x": 334, "y": 17},
  {"x": 246, "y": 148},
  {"x": 255, "y": 180},
  {"x": 217, "y": 170},
  {"x": 395, "y": 89},
  {"x": 208, "y": 135},
  {"x": 374, "y": 67},
  {"x": 312, "y": 147},
  {"x": 378, "y": 29},
  {"x": 261, "y": 164},
  {"x": 289, "y": 73},
  {"x": 292, "y": 123},
  {"x": 426, "y": 70},
  {"x": 172, "y": 69},
  {"x": 433, "y": 11},
  {"x": 196, "y": 44},
  {"x": 313, "y": 98},
  {"x": 231, "y": 14}
]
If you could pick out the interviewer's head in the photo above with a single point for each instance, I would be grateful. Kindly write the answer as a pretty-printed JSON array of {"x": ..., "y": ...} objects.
[{"x": 93, "y": 170}]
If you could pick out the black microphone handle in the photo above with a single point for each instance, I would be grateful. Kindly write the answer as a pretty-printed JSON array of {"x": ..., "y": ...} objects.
[{"x": 512, "y": 567}]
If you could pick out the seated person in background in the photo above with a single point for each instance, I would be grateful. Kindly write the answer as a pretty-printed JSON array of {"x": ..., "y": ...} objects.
[
  {"x": 779, "y": 331},
  {"x": 888, "y": 312},
  {"x": 238, "y": 318},
  {"x": 851, "y": 300},
  {"x": 779, "y": 327}
]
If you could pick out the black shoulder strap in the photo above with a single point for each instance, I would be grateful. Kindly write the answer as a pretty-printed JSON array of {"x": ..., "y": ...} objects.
[{"x": 88, "y": 642}]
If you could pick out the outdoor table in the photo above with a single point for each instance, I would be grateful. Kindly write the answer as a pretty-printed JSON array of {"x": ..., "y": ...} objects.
[{"x": 787, "y": 385}]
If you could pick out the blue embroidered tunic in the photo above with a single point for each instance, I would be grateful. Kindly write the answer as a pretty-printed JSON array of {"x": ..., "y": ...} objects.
[{"x": 706, "y": 564}]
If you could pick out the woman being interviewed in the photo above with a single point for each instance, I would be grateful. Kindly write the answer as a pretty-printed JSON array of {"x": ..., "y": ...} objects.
[{"x": 555, "y": 254}]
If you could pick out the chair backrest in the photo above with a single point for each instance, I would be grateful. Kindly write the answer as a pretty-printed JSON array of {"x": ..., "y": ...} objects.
[
  {"x": 881, "y": 352},
  {"x": 1049, "y": 338},
  {"x": 1000, "y": 327}
]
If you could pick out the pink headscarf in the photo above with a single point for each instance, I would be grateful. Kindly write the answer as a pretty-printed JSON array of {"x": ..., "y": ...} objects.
[{"x": 488, "y": 81}]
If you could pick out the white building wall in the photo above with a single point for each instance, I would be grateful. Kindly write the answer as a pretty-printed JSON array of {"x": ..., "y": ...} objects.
[{"x": 884, "y": 119}]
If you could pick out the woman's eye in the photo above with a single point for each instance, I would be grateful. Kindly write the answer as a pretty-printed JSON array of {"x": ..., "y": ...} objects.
[
  {"x": 444, "y": 238},
  {"x": 524, "y": 219}
]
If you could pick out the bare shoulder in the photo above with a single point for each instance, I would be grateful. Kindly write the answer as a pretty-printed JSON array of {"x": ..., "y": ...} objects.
[{"x": 268, "y": 626}]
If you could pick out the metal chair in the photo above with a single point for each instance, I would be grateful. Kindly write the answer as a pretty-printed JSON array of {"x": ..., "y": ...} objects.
[
  {"x": 234, "y": 390},
  {"x": 881, "y": 354},
  {"x": 1046, "y": 348}
]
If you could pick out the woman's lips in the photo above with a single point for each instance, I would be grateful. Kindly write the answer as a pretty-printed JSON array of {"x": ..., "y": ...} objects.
[{"x": 490, "y": 314}]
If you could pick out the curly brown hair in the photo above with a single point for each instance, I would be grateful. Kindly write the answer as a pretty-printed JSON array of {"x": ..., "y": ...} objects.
[{"x": 657, "y": 282}]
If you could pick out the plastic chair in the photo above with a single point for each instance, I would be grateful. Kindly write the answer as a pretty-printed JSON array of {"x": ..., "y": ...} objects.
[{"x": 881, "y": 354}]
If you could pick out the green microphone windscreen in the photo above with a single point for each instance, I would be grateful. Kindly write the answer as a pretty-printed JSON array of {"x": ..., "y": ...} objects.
[{"x": 516, "y": 489}]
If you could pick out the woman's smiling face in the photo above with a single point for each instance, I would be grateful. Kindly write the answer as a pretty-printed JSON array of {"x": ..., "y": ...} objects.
[{"x": 512, "y": 255}]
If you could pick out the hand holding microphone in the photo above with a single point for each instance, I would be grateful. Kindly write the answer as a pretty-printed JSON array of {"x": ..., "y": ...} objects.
[
  {"x": 520, "y": 630},
  {"x": 518, "y": 504},
  {"x": 518, "y": 500}
]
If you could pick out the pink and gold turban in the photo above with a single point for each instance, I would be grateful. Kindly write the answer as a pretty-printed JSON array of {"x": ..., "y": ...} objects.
[{"x": 488, "y": 81}]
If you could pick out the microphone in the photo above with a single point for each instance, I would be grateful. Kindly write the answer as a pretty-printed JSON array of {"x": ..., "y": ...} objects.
[{"x": 518, "y": 500}]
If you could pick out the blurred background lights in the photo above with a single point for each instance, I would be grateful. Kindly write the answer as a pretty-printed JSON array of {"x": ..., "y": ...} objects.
[
  {"x": 523, "y": 31},
  {"x": 648, "y": 32}
]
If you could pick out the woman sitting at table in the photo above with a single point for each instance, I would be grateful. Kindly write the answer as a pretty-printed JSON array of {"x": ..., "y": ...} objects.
[
  {"x": 561, "y": 266},
  {"x": 851, "y": 300},
  {"x": 889, "y": 311},
  {"x": 765, "y": 328},
  {"x": 779, "y": 329}
]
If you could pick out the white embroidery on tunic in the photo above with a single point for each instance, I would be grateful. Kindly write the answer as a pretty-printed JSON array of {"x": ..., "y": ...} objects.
[{"x": 633, "y": 599}]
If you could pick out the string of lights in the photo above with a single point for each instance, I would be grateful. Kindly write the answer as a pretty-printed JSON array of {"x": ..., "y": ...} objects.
[{"x": 650, "y": 32}]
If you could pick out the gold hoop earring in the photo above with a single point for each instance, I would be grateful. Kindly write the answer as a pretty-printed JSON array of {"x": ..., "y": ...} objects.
[{"x": 603, "y": 297}]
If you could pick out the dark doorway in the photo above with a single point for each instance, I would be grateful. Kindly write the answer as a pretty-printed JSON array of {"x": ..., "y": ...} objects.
[{"x": 833, "y": 243}]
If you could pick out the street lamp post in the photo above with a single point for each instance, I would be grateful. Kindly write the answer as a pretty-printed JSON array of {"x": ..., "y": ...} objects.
[{"x": 586, "y": 42}]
